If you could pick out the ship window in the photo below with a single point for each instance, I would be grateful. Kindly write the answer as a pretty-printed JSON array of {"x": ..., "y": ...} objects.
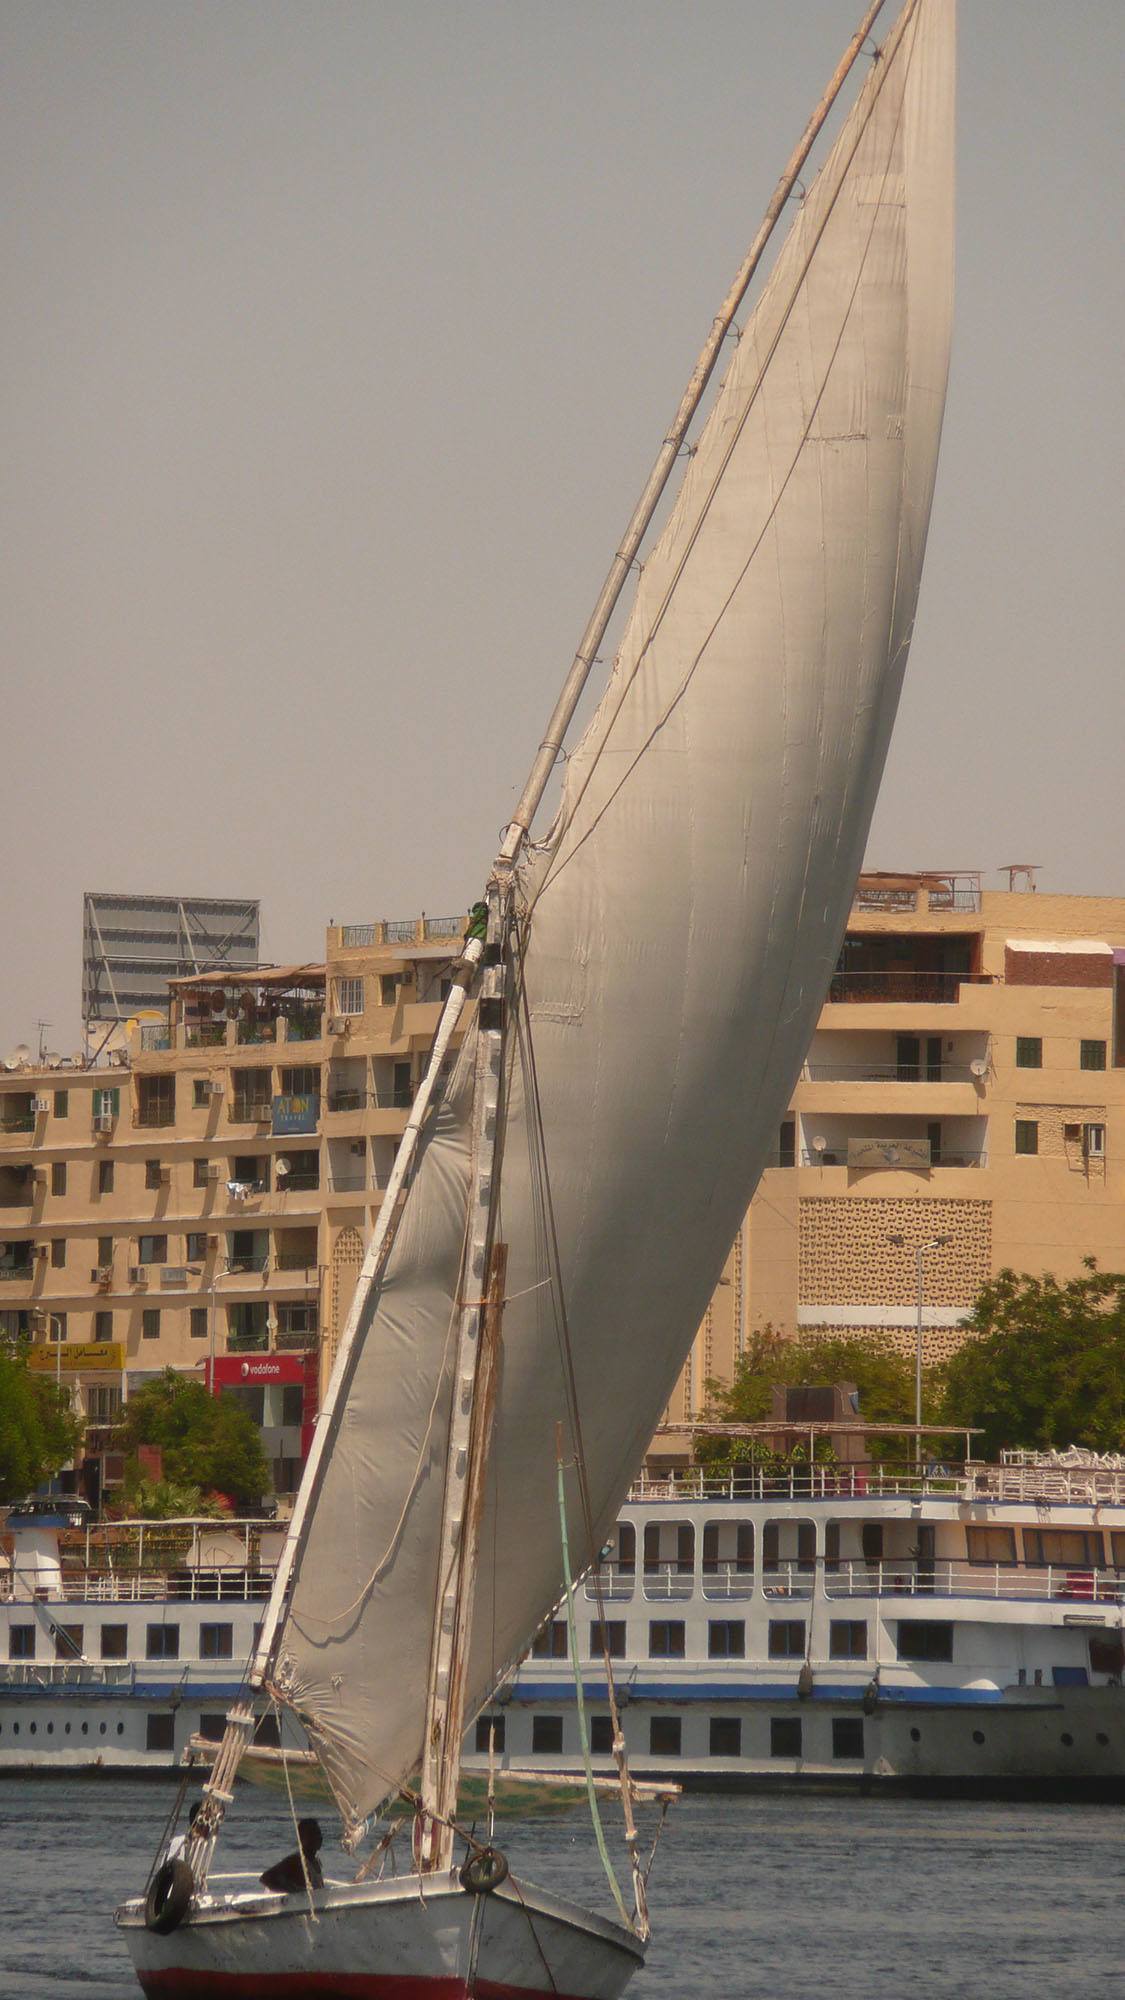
[
  {"x": 726, "y": 1639},
  {"x": 21, "y": 1642},
  {"x": 924, "y": 1639},
  {"x": 785, "y": 1736},
  {"x": 68, "y": 1642},
  {"x": 608, "y": 1638},
  {"x": 267, "y": 1732},
  {"x": 1107, "y": 1655},
  {"x": 216, "y": 1642},
  {"x": 728, "y": 1554},
  {"x": 546, "y": 1735},
  {"x": 665, "y": 1734},
  {"x": 601, "y": 1735},
  {"x": 847, "y": 1639},
  {"x": 666, "y": 1639},
  {"x": 626, "y": 1548},
  {"x": 789, "y": 1543},
  {"x": 871, "y": 1541},
  {"x": 847, "y": 1736},
  {"x": 1117, "y": 1545},
  {"x": 160, "y": 1732},
  {"x": 1068, "y": 1547},
  {"x": 787, "y": 1639},
  {"x": 725, "y": 1736},
  {"x": 991, "y": 1545},
  {"x": 550, "y": 1642},
  {"x": 213, "y": 1727},
  {"x": 162, "y": 1642},
  {"x": 490, "y": 1725}
]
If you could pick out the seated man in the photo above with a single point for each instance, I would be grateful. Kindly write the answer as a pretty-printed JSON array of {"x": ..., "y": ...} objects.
[{"x": 288, "y": 1874}]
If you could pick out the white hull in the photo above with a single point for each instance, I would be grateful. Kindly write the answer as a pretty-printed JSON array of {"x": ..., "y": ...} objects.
[{"x": 409, "y": 1939}]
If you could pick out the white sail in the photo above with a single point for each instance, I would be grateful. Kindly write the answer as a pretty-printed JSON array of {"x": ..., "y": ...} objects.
[{"x": 686, "y": 914}]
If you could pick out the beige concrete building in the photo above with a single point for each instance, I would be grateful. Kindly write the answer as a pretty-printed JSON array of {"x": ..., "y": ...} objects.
[
  {"x": 967, "y": 1081},
  {"x": 202, "y": 1197}
]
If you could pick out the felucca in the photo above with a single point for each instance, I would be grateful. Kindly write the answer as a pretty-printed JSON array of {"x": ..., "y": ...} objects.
[{"x": 636, "y": 997}]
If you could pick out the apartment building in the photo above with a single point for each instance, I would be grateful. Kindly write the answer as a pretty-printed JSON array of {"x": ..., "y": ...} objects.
[
  {"x": 963, "y": 1097},
  {"x": 200, "y": 1199}
]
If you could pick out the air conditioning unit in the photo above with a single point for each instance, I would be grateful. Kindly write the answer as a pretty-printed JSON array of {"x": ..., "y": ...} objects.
[
  {"x": 40, "y": 1104},
  {"x": 214, "y": 1171},
  {"x": 212, "y": 1243},
  {"x": 1093, "y": 1142},
  {"x": 102, "y": 1274},
  {"x": 103, "y": 1124},
  {"x": 39, "y": 1176},
  {"x": 138, "y": 1274},
  {"x": 340, "y": 1024},
  {"x": 215, "y": 1090}
]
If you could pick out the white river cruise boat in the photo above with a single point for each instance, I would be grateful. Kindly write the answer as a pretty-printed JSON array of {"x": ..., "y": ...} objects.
[{"x": 958, "y": 1629}]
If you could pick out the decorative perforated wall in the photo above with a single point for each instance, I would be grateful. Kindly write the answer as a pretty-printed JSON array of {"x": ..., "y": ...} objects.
[
  {"x": 347, "y": 1256},
  {"x": 938, "y": 1342},
  {"x": 846, "y": 1259}
]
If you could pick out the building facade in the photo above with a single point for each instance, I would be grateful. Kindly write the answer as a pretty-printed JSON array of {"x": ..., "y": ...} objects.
[{"x": 966, "y": 1082}]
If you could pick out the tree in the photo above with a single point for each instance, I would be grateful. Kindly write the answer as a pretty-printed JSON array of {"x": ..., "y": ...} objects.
[
  {"x": 38, "y": 1430},
  {"x": 883, "y": 1377},
  {"x": 1047, "y": 1364},
  {"x": 207, "y": 1442}
]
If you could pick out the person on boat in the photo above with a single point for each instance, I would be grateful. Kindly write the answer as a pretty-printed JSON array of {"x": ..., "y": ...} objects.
[
  {"x": 178, "y": 1843},
  {"x": 289, "y": 1874}
]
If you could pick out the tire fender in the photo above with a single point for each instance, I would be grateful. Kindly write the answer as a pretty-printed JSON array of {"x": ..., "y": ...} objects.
[
  {"x": 169, "y": 1897},
  {"x": 484, "y": 1871}
]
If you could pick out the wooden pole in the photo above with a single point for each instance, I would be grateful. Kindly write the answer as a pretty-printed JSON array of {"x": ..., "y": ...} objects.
[{"x": 563, "y": 714}]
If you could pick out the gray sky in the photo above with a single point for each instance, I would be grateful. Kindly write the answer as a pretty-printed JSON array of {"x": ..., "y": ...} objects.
[{"x": 337, "y": 340}]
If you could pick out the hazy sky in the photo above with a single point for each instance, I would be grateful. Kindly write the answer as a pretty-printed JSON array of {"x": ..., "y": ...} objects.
[{"x": 336, "y": 342}]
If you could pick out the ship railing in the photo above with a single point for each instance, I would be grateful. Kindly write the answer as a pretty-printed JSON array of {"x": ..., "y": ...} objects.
[
  {"x": 728, "y": 1579},
  {"x": 953, "y": 1578},
  {"x": 66, "y": 1673},
  {"x": 803, "y": 1481},
  {"x": 1076, "y": 1485},
  {"x": 218, "y": 1585},
  {"x": 789, "y": 1579},
  {"x": 667, "y": 1580},
  {"x": 614, "y": 1583}
]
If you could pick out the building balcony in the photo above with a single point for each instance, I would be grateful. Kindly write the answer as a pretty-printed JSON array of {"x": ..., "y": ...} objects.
[
  {"x": 346, "y": 1100},
  {"x": 250, "y": 1034},
  {"x": 868, "y": 1096},
  {"x": 17, "y": 1121},
  {"x": 910, "y": 988},
  {"x": 296, "y": 1340},
  {"x": 251, "y": 1111},
  {"x": 17, "y": 1274}
]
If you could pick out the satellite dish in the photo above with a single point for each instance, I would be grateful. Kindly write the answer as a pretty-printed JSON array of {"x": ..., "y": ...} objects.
[
  {"x": 820, "y": 1143},
  {"x": 20, "y": 1055},
  {"x": 52, "y": 1059},
  {"x": 979, "y": 1066},
  {"x": 284, "y": 1166}
]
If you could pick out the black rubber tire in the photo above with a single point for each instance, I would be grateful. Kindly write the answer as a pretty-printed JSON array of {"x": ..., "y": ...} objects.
[
  {"x": 484, "y": 1871},
  {"x": 169, "y": 1897}
]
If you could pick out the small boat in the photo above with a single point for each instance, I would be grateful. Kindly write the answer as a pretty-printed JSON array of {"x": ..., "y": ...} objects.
[{"x": 634, "y": 998}]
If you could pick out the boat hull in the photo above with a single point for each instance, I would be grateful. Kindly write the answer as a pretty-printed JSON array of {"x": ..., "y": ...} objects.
[{"x": 409, "y": 1939}]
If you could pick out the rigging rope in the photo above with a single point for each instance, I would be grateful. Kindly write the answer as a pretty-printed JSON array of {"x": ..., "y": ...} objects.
[{"x": 580, "y": 1699}]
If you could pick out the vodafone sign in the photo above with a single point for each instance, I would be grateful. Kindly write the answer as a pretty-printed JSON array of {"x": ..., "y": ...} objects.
[{"x": 233, "y": 1369}]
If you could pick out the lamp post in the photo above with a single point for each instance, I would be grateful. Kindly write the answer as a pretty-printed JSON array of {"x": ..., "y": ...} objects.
[{"x": 920, "y": 1249}]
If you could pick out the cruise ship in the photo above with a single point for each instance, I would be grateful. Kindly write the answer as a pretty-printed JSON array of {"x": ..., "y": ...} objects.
[{"x": 958, "y": 1628}]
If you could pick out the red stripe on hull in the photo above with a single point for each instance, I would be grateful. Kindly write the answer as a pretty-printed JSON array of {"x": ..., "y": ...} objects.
[{"x": 177, "y": 1984}]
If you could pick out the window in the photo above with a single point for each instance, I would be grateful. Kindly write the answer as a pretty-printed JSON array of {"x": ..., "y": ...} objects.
[
  {"x": 847, "y": 1639},
  {"x": 156, "y": 1100},
  {"x": 601, "y": 1735},
  {"x": 58, "y": 1252},
  {"x": 609, "y": 1638},
  {"x": 216, "y": 1642},
  {"x": 490, "y": 1726},
  {"x": 743, "y": 1560},
  {"x": 201, "y": 1093},
  {"x": 666, "y": 1639},
  {"x": 103, "y": 1326},
  {"x": 546, "y": 1735},
  {"x": 62, "y": 1097},
  {"x": 56, "y": 1326},
  {"x": 152, "y": 1174},
  {"x": 199, "y": 1323},
  {"x": 1068, "y": 1548},
  {"x": 199, "y": 1173},
  {"x": 726, "y": 1736},
  {"x": 665, "y": 1733},
  {"x": 196, "y": 1246},
  {"x": 107, "y": 1102},
  {"x": 389, "y": 983},
  {"x": 58, "y": 1177},
  {"x": 293, "y": 1409},
  {"x": 103, "y": 1403},
  {"x": 105, "y": 1176},
  {"x": 1029, "y": 1052},
  {"x": 1091, "y": 1055},
  {"x": 160, "y": 1732},
  {"x": 213, "y": 1727},
  {"x": 785, "y": 1736},
  {"x": 1117, "y": 1547},
  {"x": 69, "y": 1642},
  {"x": 787, "y": 1144},
  {"x": 105, "y": 1251},
  {"x": 847, "y": 1736},
  {"x": 726, "y": 1639},
  {"x": 787, "y": 1639},
  {"x": 349, "y": 996},
  {"x": 152, "y": 1250},
  {"x": 303, "y": 1081},
  {"x": 924, "y": 1639},
  {"x": 21, "y": 1642},
  {"x": 551, "y": 1641},
  {"x": 1027, "y": 1135},
  {"x": 150, "y": 1323},
  {"x": 162, "y": 1642},
  {"x": 991, "y": 1545},
  {"x": 115, "y": 1642}
]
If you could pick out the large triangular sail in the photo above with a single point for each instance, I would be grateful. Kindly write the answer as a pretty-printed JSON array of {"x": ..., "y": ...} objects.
[{"x": 678, "y": 929}]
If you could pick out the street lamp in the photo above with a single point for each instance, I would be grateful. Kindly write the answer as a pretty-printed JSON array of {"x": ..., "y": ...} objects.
[{"x": 920, "y": 1249}]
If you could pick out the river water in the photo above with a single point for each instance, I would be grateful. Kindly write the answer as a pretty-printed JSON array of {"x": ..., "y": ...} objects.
[{"x": 783, "y": 1898}]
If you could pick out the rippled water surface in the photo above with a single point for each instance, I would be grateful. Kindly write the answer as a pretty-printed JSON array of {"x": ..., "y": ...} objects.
[{"x": 785, "y": 1898}]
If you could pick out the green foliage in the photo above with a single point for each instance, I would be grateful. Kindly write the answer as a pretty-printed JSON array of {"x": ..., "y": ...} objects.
[
  {"x": 164, "y": 1499},
  {"x": 209, "y": 1443},
  {"x": 38, "y": 1432},
  {"x": 883, "y": 1377},
  {"x": 1047, "y": 1366}
]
